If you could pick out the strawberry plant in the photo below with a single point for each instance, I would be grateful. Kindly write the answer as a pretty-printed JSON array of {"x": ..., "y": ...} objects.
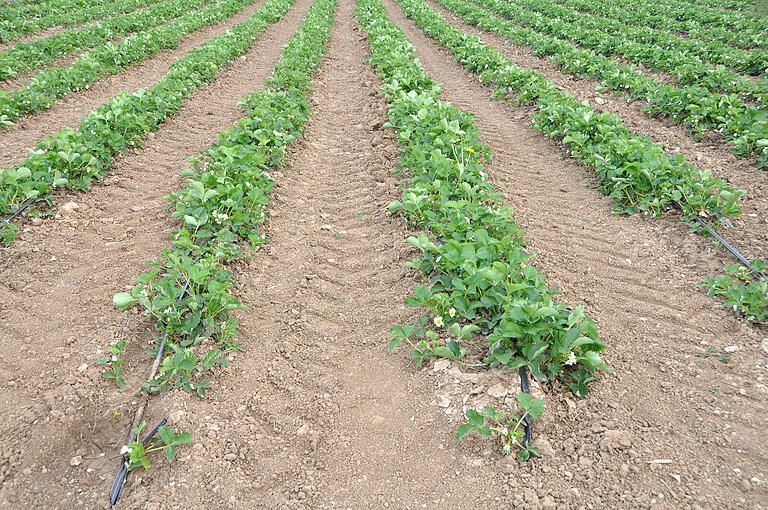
[
  {"x": 637, "y": 173},
  {"x": 63, "y": 13},
  {"x": 41, "y": 91},
  {"x": 188, "y": 291},
  {"x": 743, "y": 125},
  {"x": 137, "y": 451},
  {"x": 742, "y": 290},
  {"x": 490, "y": 422},
  {"x": 114, "y": 362},
  {"x": 688, "y": 69}
]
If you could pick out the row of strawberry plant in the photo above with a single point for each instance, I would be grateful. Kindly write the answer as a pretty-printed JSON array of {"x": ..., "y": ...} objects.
[
  {"x": 42, "y": 9},
  {"x": 744, "y": 126},
  {"x": 713, "y": 16},
  {"x": 74, "y": 158},
  {"x": 480, "y": 282},
  {"x": 737, "y": 5},
  {"x": 43, "y": 89},
  {"x": 688, "y": 70},
  {"x": 12, "y": 29},
  {"x": 752, "y": 62},
  {"x": 636, "y": 172},
  {"x": 749, "y": 37},
  {"x": 223, "y": 208},
  {"x": 41, "y": 52}
]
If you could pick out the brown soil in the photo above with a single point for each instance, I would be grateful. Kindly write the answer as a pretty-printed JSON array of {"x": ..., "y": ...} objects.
[
  {"x": 750, "y": 232},
  {"x": 68, "y": 111},
  {"x": 314, "y": 413}
]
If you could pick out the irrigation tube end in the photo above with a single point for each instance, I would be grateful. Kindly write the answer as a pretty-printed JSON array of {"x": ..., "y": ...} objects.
[{"x": 526, "y": 387}]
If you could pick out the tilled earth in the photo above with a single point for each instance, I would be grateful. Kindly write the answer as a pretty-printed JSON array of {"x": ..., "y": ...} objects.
[{"x": 315, "y": 413}]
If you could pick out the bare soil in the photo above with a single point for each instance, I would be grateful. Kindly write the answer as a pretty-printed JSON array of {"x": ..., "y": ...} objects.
[{"x": 314, "y": 413}]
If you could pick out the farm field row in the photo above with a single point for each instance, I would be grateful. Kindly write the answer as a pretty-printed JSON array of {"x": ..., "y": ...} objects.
[{"x": 376, "y": 217}]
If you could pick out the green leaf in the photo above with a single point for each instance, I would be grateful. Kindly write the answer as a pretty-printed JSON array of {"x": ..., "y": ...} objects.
[{"x": 123, "y": 300}]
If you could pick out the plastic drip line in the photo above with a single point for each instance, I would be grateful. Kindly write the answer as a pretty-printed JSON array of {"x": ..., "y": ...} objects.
[
  {"x": 731, "y": 249},
  {"x": 526, "y": 387},
  {"x": 20, "y": 210},
  {"x": 122, "y": 473}
]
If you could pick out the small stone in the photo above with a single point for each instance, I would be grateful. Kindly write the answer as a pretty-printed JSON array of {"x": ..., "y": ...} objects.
[
  {"x": 599, "y": 100},
  {"x": 69, "y": 207},
  {"x": 616, "y": 440},
  {"x": 548, "y": 503},
  {"x": 498, "y": 390},
  {"x": 39, "y": 221},
  {"x": 445, "y": 402},
  {"x": 764, "y": 345},
  {"x": 76, "y": 460},
  {"x": 441, "y": 365},
  {"x": 731, "y": 348},
  {"x": 530, "y": 497},
  {"x": 230, "y": 457},
  {"x": 82, "y": 368},
  {"x": 545, "y": 447},
  {"x": 303, "y": 430}
]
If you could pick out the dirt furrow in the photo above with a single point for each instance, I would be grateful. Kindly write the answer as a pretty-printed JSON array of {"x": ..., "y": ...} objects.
[
  {"x": 315, "y": 413},
  {"x": 69, "y": 110},
  {"x": 663, "y": 401},
  {"x": 56, "y": 293},
  {"x": 751, "y": 230}
]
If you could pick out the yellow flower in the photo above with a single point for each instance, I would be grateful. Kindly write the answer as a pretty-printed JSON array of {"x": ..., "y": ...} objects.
[{"x": 469, "y": 149}]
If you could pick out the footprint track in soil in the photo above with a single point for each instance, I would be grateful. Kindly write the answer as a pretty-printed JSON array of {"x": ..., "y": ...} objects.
[
  {"x": 68, "y": 111},
  {"x": 660, "y": 392}
]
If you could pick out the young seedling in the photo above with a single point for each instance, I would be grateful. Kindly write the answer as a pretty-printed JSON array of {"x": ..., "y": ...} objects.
[
  {"x": 509, "y": 429},
  {"x": 113, "y": 363}
]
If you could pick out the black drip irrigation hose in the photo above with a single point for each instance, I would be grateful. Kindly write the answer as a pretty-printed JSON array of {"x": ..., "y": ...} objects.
[
  {"x": 20, "y": 210},
  {"x": 526, "y": 387},
  {"x": 122, "y": 472}
]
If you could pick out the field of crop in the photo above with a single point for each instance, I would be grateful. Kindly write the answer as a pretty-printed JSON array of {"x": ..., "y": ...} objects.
[{"x": 342, "y": 254}]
